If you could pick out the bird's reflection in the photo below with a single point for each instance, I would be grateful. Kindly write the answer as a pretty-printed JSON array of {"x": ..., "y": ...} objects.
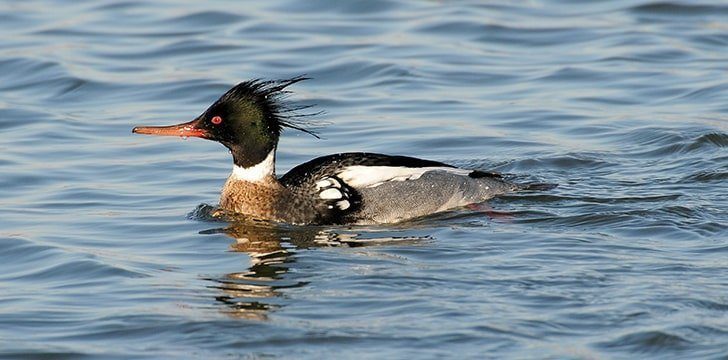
[{"x": 253, "y": 293}]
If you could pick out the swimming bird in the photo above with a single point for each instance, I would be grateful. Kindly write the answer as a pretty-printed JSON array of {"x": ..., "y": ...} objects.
[{"x": 345, "y": 188}]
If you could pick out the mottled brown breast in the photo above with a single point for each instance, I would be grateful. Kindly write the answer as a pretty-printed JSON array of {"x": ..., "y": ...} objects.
[{"x": 267, "y": 200}]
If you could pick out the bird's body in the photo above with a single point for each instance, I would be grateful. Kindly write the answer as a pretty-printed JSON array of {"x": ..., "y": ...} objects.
[
  {"x": 347, "y": 188},
  {"x": 376, "y": 188}
]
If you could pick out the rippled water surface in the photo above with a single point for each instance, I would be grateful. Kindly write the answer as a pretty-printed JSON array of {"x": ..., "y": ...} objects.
[{"x": 105, "y": 249}]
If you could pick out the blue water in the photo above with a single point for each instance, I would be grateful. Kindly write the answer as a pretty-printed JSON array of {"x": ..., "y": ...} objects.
[{"x": 105, "y": 250}]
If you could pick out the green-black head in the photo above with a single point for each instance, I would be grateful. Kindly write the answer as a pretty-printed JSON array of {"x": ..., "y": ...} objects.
[{"x": 247, "y": 119}]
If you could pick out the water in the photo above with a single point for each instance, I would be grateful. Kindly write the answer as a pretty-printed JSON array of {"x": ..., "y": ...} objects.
[{"x": 105, "y": 253}]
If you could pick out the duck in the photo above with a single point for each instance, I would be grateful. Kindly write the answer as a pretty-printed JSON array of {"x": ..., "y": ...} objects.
[{"x": 337, "y": 189}]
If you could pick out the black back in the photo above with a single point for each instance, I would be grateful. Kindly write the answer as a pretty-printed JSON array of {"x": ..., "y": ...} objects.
[{"x": 312, "y": 171}]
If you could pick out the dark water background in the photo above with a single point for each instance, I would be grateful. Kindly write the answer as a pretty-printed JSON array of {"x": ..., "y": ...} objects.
[{"x": 623, "y": 103}]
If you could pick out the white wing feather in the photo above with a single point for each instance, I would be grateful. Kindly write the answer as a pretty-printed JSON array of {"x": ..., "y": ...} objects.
[{"x": 360, "y": 176}]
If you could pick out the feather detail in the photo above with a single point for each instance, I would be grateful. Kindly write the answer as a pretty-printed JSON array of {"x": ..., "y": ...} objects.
[
  {"x": 269, "y": 94},
  {"x": 359, "y": 176}
]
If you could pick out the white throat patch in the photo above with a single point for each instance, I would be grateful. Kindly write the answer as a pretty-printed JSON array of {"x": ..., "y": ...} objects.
[{"x": 257, "y": 172}]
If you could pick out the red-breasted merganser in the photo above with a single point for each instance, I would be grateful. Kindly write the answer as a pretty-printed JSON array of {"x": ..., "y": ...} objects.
[{"x": 347, "y": 188}]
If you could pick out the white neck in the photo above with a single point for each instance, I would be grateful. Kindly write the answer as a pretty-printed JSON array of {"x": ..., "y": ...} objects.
[{"x": 257, "y": 172}]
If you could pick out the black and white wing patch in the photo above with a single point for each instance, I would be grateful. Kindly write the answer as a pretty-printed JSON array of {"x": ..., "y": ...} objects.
[{"x": 339, "y": 198}]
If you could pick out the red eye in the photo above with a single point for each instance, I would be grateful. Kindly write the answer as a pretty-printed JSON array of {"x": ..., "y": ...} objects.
[{"x": 216, "y": 120}]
